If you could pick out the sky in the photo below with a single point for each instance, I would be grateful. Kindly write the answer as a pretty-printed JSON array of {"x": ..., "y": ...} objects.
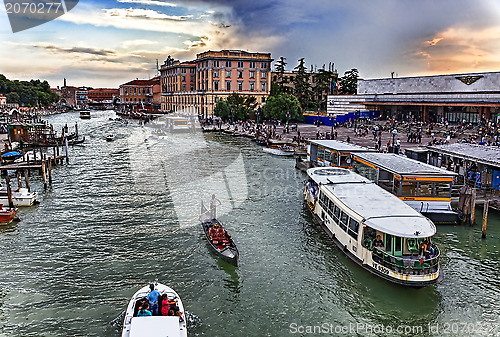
[{"x": 109, "y": 42}]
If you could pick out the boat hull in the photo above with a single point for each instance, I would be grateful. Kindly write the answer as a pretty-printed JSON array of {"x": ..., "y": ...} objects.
[
  {"x": 19, "y": 198},
  {"x": 7, "y": 215},
  {"x": 229, "y": 254},
  {"x": 278, "y": 152}
]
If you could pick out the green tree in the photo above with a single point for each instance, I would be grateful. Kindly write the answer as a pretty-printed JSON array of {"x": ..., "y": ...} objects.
[
  {"x": 235, "y": 107},
  {"x": 27, "y": 93},
  {"x": 13, "y": 97},
  {"x": 302, "y": 87},
  {"x": 280, "y": 68},
  {"x": 283, "y": 107},
  {"x": 324, "y": 81},
  {"x": 349, "y": 82}
]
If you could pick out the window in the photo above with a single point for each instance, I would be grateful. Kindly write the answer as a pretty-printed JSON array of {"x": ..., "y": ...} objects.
[
  {"x": 353, "y": 228},
  {"x": 228, "y": 85},
  {"x": 442, "y": 189},
  {"x": 240, "y": 85},
  {"x": 263, "y": 86},
  {"x": 183, "y": 79},
  {"x": 191, "y": 86},
  {"x": 263, "y": 65},
  {"x": 252, "y": 86},
  {"x": 425, "y": 188},
  {"x": 409, "y": 188},
  {"x": 228, "y": 64},
  {"x": 344, "y": 218},
  {"x": 240, "y": 64},
  {"x": 251, "y": 65},
  {"x": 395, "y": 189},
  {"x": 263, "y": 99},
  {"x": 252, "y": 74},
  {"x": 240, "y": 73},
  {"x": 216, "y": 63},
  {"x": 183, "y": 86},
  {"x": 336, "y": 212},
  {"x": 228, "y": 73},
  {"x": 216, "y": 74},
  {"x": 183, "y": 70},
  {"x": 216, "y": 85},
  {"x": 263, "y": 75}
]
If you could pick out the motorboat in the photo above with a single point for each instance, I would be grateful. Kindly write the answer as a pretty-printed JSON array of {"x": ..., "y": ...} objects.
[
  {"x": 20, "y": 197},
  {"x": 110, "y": 138},
  {"x": 373, "y": 227},
  {"x": 280, "y": 150},
  {"x": 155, "y": 326},
  {"x": 7, "y": 215},
  {"x": 85, "y": 114}
]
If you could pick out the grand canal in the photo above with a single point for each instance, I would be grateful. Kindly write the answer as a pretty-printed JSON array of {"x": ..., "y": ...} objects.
[{"x": 118, "y": 216}]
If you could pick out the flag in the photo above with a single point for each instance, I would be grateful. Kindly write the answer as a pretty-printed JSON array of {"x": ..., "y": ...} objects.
[
  {"x": 337, "y": 84},
  {"x": 332, "y": 86}
]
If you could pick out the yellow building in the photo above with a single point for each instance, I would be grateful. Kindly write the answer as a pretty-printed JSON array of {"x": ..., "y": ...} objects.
[{"x": 195, "y": 87}]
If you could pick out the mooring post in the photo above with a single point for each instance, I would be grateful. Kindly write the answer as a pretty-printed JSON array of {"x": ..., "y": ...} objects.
[
  {"x": 50, "y": 172},
  {"x": 66, "y": 148},
  {"x": 473, "y": 206},
  {"x": 485, "y": 218},
  {"x": 9, "y": 191},
  {"x": 27, "y": 180},
  {"x": 19, "y": 183},
  {"x": 44, "y": 176}
]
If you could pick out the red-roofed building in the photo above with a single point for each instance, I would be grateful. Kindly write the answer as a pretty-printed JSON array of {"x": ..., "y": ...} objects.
[
  {"x": 3, "y": 100},
  {"x": 103, "y": 98},
  {"x": 139, "y": 94}
]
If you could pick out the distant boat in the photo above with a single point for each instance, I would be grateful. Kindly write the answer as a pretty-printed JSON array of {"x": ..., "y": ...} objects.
[
  {"x": 280, "y": 150},
  {"x": 85, "y": 114},
  {"x": 7, "y": 215},
  {"x": 151, "y": 326},
  {"x": 110, "y": 138},
  {"x": 10, "y": 156},
  {"x": 218, "y": 238},
  {"x": 21, "y": 197}
]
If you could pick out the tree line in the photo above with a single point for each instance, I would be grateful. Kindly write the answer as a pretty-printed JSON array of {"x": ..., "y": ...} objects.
[
  {"x": 291, "y": 94},
  {"x": 27, "y": 93}
]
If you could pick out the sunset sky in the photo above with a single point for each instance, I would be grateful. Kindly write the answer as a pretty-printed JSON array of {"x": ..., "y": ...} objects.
[{"x": 106, "y": 43}]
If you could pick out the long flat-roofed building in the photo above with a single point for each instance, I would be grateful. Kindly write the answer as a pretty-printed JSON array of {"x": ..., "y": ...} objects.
[
  {"x": 196, "y": 86},
  {"x": 470, "y": 97}
]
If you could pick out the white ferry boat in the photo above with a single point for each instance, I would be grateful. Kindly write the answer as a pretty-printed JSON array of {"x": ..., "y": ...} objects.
[
  {"x": 155, "y": 326},
  {"x": 373, "y": 227}
]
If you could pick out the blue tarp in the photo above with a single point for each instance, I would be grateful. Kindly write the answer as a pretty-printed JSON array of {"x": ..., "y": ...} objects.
[
  {"x": 309, "y": 119},
  {"x": 11, "y": 154}
]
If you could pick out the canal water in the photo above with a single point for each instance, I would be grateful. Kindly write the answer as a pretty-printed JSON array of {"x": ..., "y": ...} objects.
[{"x": 120, "y": 215}]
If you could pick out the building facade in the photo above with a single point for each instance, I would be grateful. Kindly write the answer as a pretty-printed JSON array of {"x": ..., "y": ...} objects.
[
  {"x": 139, "y": 94},
  {"x": 195, "y": 87},
  {"x": 3, "y": 100},
  {"x": 455, "y": 98},
  {"x": 103, "y": 98}
]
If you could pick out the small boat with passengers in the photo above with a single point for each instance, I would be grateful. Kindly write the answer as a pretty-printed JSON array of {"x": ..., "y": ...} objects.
[
  {"x": 217, "y": 237},
  {"x": 280, "y": 150},
  {"x": 170, "y": 321},
  {"x": 373, "y": 227}
]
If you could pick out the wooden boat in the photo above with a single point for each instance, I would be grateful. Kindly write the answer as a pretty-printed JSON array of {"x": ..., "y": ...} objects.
[
  {"x": 154, "y": 326},
  {"x": 9, "y": 157},
  {"x": 280, "y": 150},
  {"x": 7, "y": 215},
  {"x": 21, "y": 197},
  {"x": 110, "y": 138},
  {"x": 218, "y": 238}
]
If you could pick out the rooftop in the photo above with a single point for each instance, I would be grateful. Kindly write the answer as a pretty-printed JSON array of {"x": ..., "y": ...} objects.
[
  {"x": 483, "y": 154},
  {"x": 402, "y": 165},
  {"x": 341, "y": 146}
]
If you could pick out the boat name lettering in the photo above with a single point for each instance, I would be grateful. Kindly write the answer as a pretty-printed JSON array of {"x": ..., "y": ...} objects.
[
  {"x": 381, "y": 269},
  {"x": 409, "y": 178}
]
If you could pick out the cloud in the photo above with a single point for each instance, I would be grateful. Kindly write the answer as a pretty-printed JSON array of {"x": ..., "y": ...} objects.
[
  {"x": 149, "y": 2},
  {"x": 76, "y": 50}
]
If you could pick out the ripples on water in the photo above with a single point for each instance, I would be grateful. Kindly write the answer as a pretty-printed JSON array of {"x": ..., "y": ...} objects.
[{"x": 105, "y": 228}]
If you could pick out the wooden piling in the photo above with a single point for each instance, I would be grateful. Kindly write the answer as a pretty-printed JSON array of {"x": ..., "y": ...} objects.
[
  {"x": 19, "y": 183},
  {"x": 44, "y": 176},
  {"x": 27, "y": 180},
  {"x": 473, "y": 207},
  {"x": 66, "y": 148},
  {"x": 50, "y": 172},
  {"x": 485, "y": 218},
  {"x": 9, "y": 191}
]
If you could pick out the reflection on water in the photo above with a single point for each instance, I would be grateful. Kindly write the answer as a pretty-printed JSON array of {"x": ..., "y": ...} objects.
[{"x": 108, "y": 225}]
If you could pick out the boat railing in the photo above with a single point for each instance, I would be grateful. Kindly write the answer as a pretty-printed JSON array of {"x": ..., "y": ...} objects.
[{"x": 408, "y": 264}]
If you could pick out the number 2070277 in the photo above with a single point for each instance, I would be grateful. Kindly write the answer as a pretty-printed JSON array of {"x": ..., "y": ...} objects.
[{"x": 33, "y": 8}]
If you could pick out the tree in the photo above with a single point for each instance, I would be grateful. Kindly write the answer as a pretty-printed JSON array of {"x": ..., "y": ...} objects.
[
  {"x": 302, "y": 87},
  {"x": 13, "y": 97},
  {"x": 324, "y": 82},
  {"x": 280, "y": 67},
  {"x": 349, "y": 82},
  {"x": 235, "y": 107},
  {"x": 27, "y": 93},
  {"x": 282, "y": 107}
]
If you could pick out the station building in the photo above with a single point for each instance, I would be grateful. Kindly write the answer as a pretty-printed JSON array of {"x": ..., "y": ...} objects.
[
  {"x": 470, "y": 97},
  {"x": 195, "y": 87}
]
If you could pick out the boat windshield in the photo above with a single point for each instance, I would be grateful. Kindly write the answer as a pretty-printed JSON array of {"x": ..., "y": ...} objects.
[{"x": 401, "y": 254}]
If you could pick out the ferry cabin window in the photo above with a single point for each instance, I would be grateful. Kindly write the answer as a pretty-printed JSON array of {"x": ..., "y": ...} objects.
[
  {"x": 330, "y": 208},
  {"x": 425, "y": 188},
  {"x": 334, "y": 158},
  {"x": 337, "y": 212},
  {"x": 345, "y": 160},
  {"x": 321, "y": 153},
  {"x": 443, "y": 189},
  {"x": 395, "y": 188},
  {"x": 353, "y": 228},
  {"x": 344, "y": 218},
  {"x": 365, "y": 171},
  {"x": 409, "y": 188}
]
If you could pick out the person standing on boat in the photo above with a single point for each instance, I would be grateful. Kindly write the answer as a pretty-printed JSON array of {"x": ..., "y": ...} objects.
[
  {"x": 214, "y": 202},
  {"x": 153, "y": 300}
]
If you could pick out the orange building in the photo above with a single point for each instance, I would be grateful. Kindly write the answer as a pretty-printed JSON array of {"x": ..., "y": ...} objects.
[
  {"x": 139, "y": 94},
  {"x": 195, "y": 87}
]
